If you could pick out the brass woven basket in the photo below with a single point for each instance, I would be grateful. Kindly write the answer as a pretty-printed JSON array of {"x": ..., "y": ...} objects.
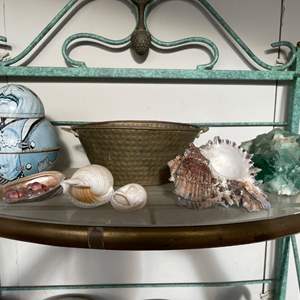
[{"x": 136, "y": 151}]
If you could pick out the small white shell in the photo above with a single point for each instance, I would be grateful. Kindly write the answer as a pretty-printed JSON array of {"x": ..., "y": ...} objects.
[
  {"x": 90, "y": 186},
  {"x": 129, "y": 197}
]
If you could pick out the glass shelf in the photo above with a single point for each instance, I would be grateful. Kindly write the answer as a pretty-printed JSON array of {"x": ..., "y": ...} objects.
[
  {"x": 160, "y": 225},
  {"x": 160, "y": 211}
]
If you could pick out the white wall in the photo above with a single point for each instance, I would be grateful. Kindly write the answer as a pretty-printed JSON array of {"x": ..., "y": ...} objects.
[{"x": 258, "y": 22}]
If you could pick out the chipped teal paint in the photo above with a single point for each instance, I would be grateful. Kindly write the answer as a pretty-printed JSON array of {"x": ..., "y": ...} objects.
[
  {"x": 190, "y": 42},
  {"x": 296, "y": 258},
  {"x": 41, "y": 35},
  {"x": 221, "y": 21},
  {"x": 71, "y": 42},
  {"x": 124, "y": 43},
  {"x": 186, "y": 42},
  {"x": 247, "y": 50},
  {"x": 282, "y": 265},
  {"x": 160, "y": 75},
  {"x": 294, "y": 99}
]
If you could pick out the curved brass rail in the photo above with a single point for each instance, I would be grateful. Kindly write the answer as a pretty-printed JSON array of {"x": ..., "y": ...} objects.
[{"x": 148, "y": 238}]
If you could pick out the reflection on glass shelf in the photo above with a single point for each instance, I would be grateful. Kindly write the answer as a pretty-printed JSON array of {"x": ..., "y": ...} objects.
[{"x": 161, "y": 210}]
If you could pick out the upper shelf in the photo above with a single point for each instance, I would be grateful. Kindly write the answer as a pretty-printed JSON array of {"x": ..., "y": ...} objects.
[
  {"x": 160, "y": 225},
  {"x": 141, "y": 41}
]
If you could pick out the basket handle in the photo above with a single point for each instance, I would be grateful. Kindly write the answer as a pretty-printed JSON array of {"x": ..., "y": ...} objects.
[
  {"x": 71, "y": 130},
  {"x": 203, "y": 130}
]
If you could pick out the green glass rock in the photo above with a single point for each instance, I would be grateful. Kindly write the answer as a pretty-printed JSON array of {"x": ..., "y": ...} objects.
[{"x": 277, "y": 154}]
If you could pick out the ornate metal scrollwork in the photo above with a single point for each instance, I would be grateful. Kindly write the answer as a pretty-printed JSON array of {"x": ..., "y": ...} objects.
[
  {"x": 83, "y": 38},
  {"x": 41, "y": 35},
  {"x": 243, "y": 45},
  {"x": 141, "y": 40}
]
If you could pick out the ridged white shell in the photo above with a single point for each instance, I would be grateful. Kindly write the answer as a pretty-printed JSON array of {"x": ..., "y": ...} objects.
[
  {"x": 228, "y": 161},
  {"x": 90, "y": 186},
  {"x": 130, "y": 197}
]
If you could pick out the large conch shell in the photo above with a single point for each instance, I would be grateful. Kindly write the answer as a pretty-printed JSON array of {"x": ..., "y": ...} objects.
[
  {"x": 90, "y": 186},
  {"x": 130, "y": 197},
  {"x": 219, "y": 172}
]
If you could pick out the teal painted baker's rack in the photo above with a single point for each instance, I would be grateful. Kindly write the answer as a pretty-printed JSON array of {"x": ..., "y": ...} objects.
[{"x": 140, "y": 41}]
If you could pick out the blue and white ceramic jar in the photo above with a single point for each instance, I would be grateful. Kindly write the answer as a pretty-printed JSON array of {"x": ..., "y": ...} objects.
[{"x": 28, "y": 142}]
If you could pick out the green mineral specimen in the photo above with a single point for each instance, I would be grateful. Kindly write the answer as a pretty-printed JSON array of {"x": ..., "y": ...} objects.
[{"x": 277, "y": 154}]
